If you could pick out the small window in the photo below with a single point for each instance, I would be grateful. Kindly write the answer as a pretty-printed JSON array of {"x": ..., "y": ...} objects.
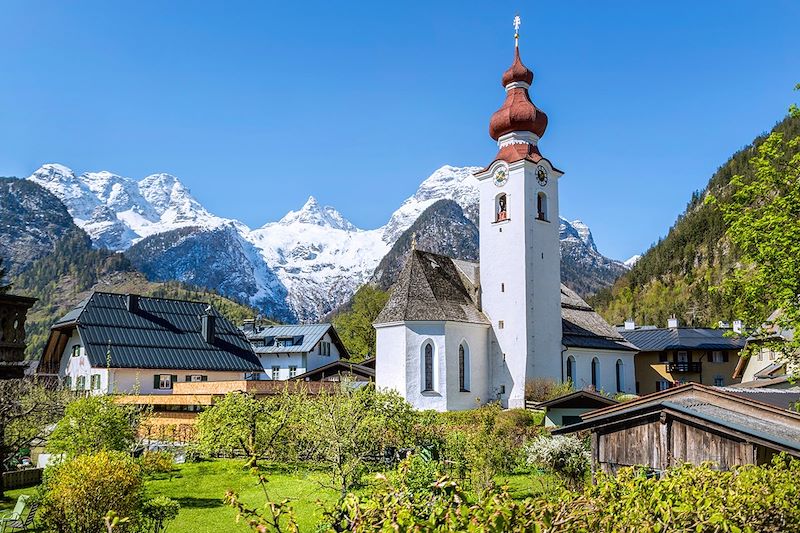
[
  {"x": 80, "y": 383},
  {"x": 761, "y": 355},
  {"x": 165, "y": 381},
  {"x": 502, "y": 389},
  {"x": 95, "y": 382},
  {"x": 595, "y": 372},
  {"x": 284, "y": 342},
  {"x": 662, "y": 384},
  {"x": 324, "y": 348},
  {"x": 571, "y": 369},
  {"x": 292, "y": 371},
  {"x": 716, "y": 356},
  {"x": 683, "y": 357},
  {"x": 195, "y": 378},
  {"x": 719, "y": 381},
  {"x": 463, "y": 368},
  {"x": 620, "y": 375},
  {"x": 501, "y": 208},
  {"x": 500, "y": 324},
  {"x": 502, "y": 287},
  {"x": 76, "y": 350},
  {"x": 771, "y": 355},
  {"x": 68, "y": 382},
  {"x": 276, "y": 372},
  {"x": 662, "y": 357},
  {"x": 541, "y": 207}
]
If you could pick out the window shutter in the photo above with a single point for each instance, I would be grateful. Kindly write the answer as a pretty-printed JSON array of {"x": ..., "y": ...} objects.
[
  {"x": 173, "y": 381},
  {"x": 157, "y": 381},
  {"x": 203, "y": 378},
  {"x": 188, "y": 377},
  {"x": 724, "y": 357}
]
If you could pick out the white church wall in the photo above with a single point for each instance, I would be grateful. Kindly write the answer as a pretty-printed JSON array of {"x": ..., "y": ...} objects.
[
  {"x": 476, "y": 339},
  {"x": 390, "y": 365},
  {"x": 417, "y": 335},
  {"x": 607, "y": 375}
]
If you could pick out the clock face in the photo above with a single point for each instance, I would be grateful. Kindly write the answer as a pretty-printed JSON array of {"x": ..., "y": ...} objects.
[
  {"x": 541, "y": 175},
  {"x": 500, "y": 176}
]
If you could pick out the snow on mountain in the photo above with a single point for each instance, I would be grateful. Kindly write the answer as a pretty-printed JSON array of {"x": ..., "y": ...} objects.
[
  {"x": 117, "y": 211},
  {"x": 632, "y": 260},
  {"x": 300, "y": 267}
]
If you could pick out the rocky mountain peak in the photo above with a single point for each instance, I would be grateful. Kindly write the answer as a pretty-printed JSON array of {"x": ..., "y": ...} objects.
[{"x": 314, "y": 213}]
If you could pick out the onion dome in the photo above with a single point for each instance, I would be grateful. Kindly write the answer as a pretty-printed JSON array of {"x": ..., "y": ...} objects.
[{"x": 518, "y": 112}]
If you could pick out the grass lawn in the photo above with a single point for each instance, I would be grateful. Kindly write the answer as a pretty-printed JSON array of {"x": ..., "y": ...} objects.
[{"x": 200, "y": 487}]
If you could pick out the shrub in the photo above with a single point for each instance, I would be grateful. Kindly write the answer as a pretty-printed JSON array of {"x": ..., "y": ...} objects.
[
  {"x": 93, "y": 424},
  {"x": 566, "y": 455},
  {"x": 157, "y": 512},
  {"x": 157, "y": 462},
  {"x": 543, "y": 389},
  {"x": 77, "y": 494}
]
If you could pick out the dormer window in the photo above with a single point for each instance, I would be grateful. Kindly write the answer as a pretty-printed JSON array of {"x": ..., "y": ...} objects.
[
  {"x": 283, "y": 342},
  {"x": 501, "y": 208}
]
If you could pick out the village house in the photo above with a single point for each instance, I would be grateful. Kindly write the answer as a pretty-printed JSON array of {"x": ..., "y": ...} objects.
[
  {"x": 125, "y": 343},
  {"x": 567, "y": 409},
  {"x": 691, "y": 423},
  {"x": 674, "y": 355},
  {"x": 767, "y": 366},
  {"x": 288, "y": 351},
  {"x": 455, "y": 333}
]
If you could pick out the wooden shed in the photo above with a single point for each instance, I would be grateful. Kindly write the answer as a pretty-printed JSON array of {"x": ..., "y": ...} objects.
[
  {"x": 691, "y": 423},
  {"x": 568, "y": 409}
]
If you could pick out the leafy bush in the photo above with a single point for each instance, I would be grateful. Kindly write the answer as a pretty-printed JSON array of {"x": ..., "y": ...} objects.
[
  {"x": 77, "y": 494},
  {"x": 157, "y": 512},
  {"x": 157, "y": 462},
  {"x": 566, "y": 455},
  {"x": 94, "y": 424},
  {"x": 543, "y": 389}
]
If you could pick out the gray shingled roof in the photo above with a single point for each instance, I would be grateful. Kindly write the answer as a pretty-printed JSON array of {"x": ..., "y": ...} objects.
[
  {"x": 304, "y": 336},
  {"x": 582, "y": 327},
  {"x": 432, "y": 288},
  {"x": 659, "y": 339},
  {"x": 161, "y": 333},
  {"x": 435, "y": 287}
]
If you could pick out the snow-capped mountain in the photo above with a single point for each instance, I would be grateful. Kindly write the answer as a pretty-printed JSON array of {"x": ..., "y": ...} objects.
[
  {"x": 298, "y": 268},
  {"x": 632, "y": 260}
]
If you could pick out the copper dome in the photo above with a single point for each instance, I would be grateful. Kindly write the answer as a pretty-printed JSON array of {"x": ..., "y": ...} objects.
[
  {"x": 517, "y": 71},
  {"x": 518, "y": 112}
]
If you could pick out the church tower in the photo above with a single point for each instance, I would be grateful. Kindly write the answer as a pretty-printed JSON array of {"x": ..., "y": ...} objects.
[{"x": 520, "y": 272}]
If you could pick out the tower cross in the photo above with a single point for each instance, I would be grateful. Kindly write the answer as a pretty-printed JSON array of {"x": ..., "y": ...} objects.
[{"x": 517, "y": 23}]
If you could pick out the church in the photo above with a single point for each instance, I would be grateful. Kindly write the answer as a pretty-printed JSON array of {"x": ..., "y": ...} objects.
[{"x": 456, "y": 334}]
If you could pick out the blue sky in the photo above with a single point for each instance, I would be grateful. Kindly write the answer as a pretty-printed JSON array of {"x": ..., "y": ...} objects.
[{"x": 256, "y": 105}]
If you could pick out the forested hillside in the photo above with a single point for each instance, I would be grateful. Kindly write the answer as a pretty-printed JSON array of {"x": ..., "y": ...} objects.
[
  {"x": 74, "y": 269},
  {"x": 678, "y": 273}
]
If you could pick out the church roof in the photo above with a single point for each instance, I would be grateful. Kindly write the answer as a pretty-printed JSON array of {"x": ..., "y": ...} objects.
[
  {"x": 582, "y": 327},
  {"x": 435, "y": 287}
]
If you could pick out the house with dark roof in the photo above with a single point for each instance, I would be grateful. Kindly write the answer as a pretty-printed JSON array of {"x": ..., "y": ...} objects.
[
  {"x": 691, "y": 423},
  {"x": 434, "y": 340},
  {"x": 767, "y": 366},
  {"x": 674, "y": 355},
  {"x": 126, "y": 343},
  {"x": 567, "y": 409},
  {"x": 288, "y": 351}
]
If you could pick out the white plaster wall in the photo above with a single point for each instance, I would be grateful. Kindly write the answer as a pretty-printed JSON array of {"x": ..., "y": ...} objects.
[
  {"x": 555, "y": 417},
  {"x": 140, "y": 380},
  {"x": 314, "y": 360},
  {"x": 76, "y": 367},
  {"x": 522, "y": 254},
  {"x": 417, "y": 334},
  {"x": 284, "y": 361},
  {"x": 607, "y": 377},
  {"x": 476, "y": 338},
  {"x": 390, "y": 365}
]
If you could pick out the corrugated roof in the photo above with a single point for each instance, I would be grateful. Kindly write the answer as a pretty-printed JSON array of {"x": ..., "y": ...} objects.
[
  {"x": 659, "y": 339},
  {"x": 160, "y": 333},
  {"x": 304, "y": 337}
]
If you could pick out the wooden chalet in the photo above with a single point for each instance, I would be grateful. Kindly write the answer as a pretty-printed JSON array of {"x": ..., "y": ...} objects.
[{"x": 13, "y": 311}]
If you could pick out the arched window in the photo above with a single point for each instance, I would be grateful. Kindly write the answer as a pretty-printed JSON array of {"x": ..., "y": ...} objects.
[
  {"x": 428, "y": 367},
  {"x": 463, "y": 367},
  {"x": 595, "y": 371},
  {"x": 571, "y": 369},
  {"x": 541, "y": 206},
  {"x": 501, "y": 207},
  {"x": 620, "y": 376}
]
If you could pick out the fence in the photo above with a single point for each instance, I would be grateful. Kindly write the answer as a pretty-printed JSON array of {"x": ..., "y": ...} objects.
[{"x": 20, "y": 479}]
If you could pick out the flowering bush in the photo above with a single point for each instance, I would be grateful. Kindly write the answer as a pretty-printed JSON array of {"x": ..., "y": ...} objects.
[{"x": 567, "y": 456}]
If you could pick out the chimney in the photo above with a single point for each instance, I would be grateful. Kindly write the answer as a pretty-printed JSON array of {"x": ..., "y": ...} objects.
[
  {"x": 207, "y": 327},
  {"x": 630, "y": 325},
  {"x": 132, "y": 302},
  {"x": 723, "y": 324},
  {"x": 249, "y": 325},
  {"x": 672, "y": 322},
  {"x": 737, "y": 326}
]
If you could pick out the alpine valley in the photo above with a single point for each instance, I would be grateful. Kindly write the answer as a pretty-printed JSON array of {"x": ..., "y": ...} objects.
[{"x": 303, "y": 266}]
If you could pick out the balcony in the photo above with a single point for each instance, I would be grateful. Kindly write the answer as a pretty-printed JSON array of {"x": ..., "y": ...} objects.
[{"x": 683, "y": 368}]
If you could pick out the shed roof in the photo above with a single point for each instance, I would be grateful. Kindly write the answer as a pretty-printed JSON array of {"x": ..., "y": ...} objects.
[
  {"x": 579, "y": 400},
  {"x": 337, "y": 367},
  {"x": 659, "y": 339},
  {"x": 158, "y": 333}
]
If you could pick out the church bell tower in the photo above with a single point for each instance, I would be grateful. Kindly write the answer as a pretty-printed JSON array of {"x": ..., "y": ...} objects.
[{"x": 520, "y": 265}]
